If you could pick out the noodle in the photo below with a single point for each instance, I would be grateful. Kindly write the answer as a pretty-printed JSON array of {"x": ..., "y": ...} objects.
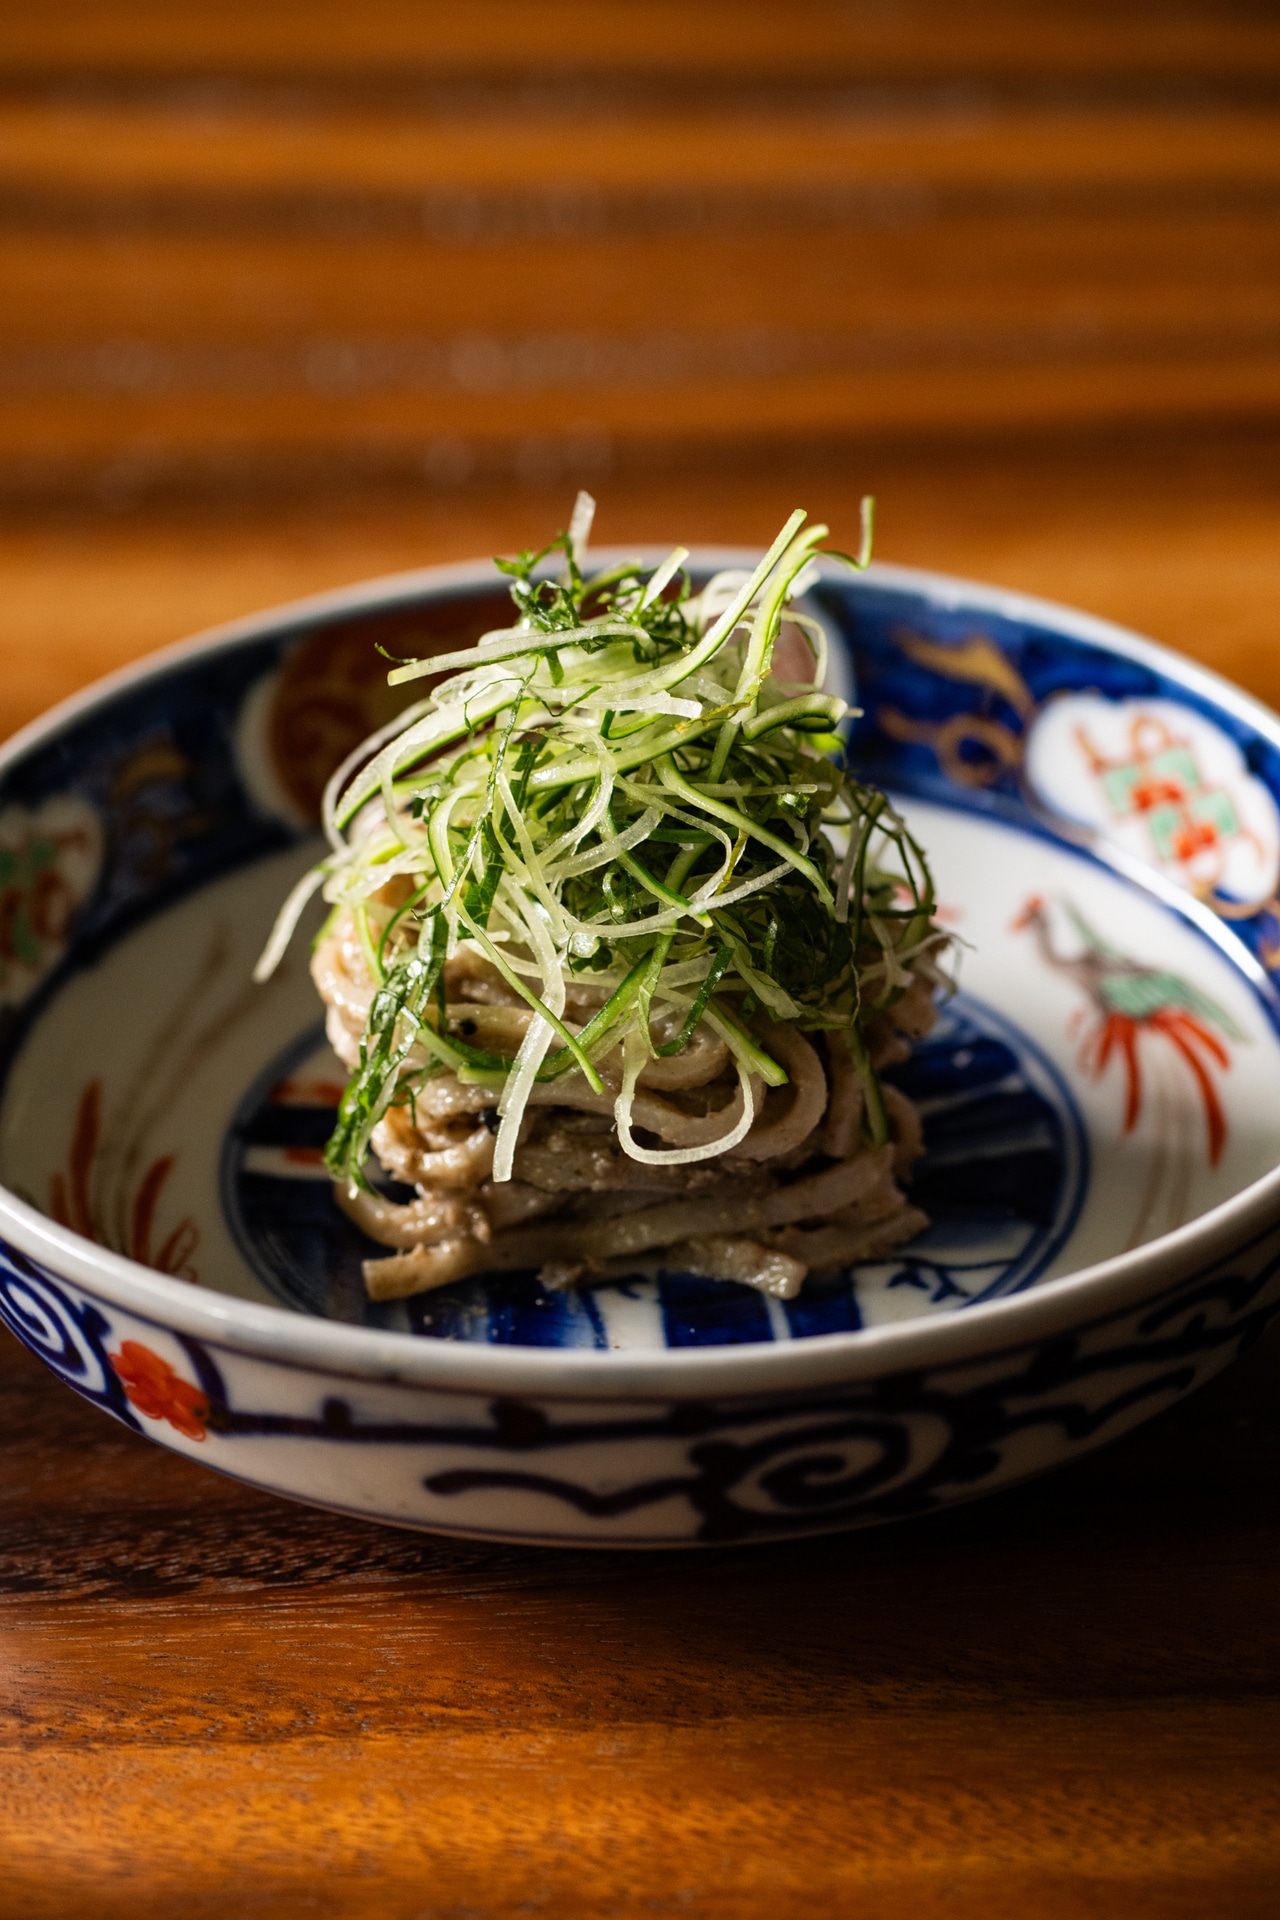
[
  {"x": 801, "y": 1191},
  {"x": 619, "y": 950}
]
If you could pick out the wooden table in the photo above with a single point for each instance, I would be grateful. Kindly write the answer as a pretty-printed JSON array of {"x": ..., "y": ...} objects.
[
  {"x": 1062, "y": 1702},
  {"x": 285, "y": 305}
]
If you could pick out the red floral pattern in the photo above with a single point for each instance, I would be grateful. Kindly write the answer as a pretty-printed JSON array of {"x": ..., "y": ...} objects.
[
  {"x": 153, "y": 1387},
  {"x": 72, "y": 1204}
]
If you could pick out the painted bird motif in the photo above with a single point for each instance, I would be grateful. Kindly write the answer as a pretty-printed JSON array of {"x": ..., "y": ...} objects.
[{"x": 1130, "y": 999}]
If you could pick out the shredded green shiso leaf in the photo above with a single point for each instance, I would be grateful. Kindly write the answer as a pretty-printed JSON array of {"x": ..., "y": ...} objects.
[{"x": 618, "y": 789}]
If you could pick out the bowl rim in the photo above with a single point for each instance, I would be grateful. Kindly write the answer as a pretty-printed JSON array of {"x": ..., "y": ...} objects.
[{"x": 277, "y": 1333}]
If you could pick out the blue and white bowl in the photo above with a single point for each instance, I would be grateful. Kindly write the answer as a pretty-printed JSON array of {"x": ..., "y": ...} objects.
[{"x": 1101, "y": 1123}]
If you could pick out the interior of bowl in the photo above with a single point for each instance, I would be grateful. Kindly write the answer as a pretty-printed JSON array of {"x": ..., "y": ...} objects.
[{"x": 1103, "y": 829}]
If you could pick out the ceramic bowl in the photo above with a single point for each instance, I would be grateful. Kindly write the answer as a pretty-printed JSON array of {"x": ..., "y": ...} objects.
[{"x": 1101, "y": 1128}]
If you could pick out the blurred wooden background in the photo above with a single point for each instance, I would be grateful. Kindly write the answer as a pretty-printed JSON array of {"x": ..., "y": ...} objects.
[{"x": 299, "y": 292}]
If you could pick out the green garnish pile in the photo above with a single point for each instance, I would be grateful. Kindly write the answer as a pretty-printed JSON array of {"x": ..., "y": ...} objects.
[{"x": 618, "y": 790}]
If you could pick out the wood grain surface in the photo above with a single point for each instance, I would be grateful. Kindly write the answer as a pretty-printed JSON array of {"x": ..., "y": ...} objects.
[
  {"x": 1059, "y": 1703},
  {"x": 276, "y": 244},
  {"x": 298, "y": 293}
]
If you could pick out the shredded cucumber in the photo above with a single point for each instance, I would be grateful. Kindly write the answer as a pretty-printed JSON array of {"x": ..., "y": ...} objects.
[{"x": 618, "y": 790}]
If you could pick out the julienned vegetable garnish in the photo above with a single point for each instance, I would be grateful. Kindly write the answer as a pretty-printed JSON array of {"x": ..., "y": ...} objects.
[{"x": 594, "y": 901}]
